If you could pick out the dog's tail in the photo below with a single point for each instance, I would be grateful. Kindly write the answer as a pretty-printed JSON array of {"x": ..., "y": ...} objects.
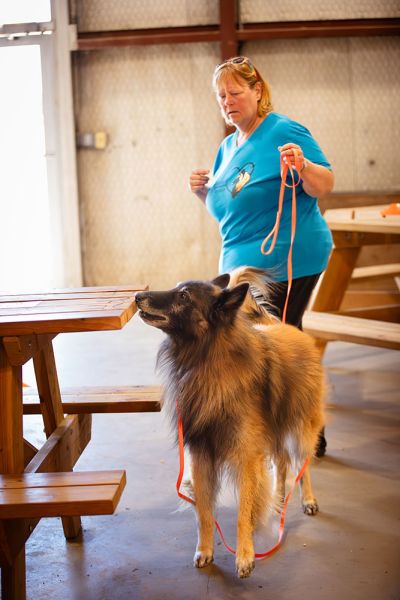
[{"x": 257, "y": 305}]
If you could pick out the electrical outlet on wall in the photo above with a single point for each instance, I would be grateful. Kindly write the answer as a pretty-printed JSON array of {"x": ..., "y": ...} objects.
[{"x": 97, "y": 140}]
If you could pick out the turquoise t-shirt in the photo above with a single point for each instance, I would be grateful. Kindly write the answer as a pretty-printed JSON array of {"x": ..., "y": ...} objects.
[{"x": 243, "y": 197}]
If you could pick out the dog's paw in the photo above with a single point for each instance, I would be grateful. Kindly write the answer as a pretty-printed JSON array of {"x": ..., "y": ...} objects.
[
  {"x": 244, "y": 566},
  {"x": 203, "y": 558},
  {"x": 310, "y": 508}
]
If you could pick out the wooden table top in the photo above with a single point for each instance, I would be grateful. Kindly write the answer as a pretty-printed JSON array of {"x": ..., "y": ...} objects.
[
  {"x": 362, "y": 218},
  {"x": 67, "y": 310}
]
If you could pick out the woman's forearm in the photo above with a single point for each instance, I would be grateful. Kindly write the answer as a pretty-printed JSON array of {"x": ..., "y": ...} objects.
[{"x": 317, "y": 180}]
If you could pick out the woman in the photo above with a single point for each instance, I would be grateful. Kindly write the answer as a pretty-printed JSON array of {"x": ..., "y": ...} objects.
[{"x": 243, "y": 190}]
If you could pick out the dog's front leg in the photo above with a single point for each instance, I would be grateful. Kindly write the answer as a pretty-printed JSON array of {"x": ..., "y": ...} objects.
[
  {"x": 251, "y": 484},
  {"x": 204, "y": 487}
]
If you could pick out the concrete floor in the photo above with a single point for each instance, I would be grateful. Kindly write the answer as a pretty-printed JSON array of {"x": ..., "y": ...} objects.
[{"x": 144, "y": 551}]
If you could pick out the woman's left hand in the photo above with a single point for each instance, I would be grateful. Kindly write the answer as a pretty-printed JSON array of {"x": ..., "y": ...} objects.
[
  {"x": 287, "y": 153},
  {"x": 316, "y": 180}
]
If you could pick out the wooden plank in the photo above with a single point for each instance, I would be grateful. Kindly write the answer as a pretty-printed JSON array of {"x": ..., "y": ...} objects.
[
  {"x": 29, "y": 452},
  {"x": 340, "y": 199},
  {"x": 11, "y": 461},
  {"x": 350, "y": 239},
  {"x": 68, "y": 495},
  {"x": 11, "y": 438},
  {"x": 48, "y": 386},
  {"x": 59, "y": 307},
  {"x": 361, "y": 298},
  {"x": 51, "y": 408},
  {"x": 327, "y": 326},
  {"x": 83, "y": 310},
  {"x": 101, "y": 400},
  {"x": 366, "y": 219},
  {"x": 335, "y": 280},
  {"x": 389, "y": 313},
  {"x": 376, "y": 271},
  {"x": 60, "y": 479},
  {"x": 67, "y": 322},
  {"x": 64, "y": 446},
  {"x": 22, "y": 348},
  {"x": 384, "y": 284},
  {"x": 63, "y": 293},
  {"x": 13, "y": 579}
]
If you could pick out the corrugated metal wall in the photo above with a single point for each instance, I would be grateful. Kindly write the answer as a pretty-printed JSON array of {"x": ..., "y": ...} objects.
[{"x": 139, "y": 221}]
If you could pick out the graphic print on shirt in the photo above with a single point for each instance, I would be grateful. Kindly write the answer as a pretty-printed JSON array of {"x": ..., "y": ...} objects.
[{"x": 242, "y": 176}]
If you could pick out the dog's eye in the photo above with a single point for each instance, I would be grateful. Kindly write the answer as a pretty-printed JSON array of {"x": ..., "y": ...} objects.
[{"x": 183, "y": 295}]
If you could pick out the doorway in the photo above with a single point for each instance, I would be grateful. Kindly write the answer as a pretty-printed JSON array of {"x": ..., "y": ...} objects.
[{"x": 25, "y": 240}]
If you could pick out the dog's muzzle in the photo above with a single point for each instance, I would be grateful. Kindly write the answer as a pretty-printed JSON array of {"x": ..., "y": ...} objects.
[{"x": 146, "y": 312}]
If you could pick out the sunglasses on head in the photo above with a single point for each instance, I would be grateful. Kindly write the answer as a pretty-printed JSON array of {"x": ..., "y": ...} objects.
[{"x": 237, "y": 60}]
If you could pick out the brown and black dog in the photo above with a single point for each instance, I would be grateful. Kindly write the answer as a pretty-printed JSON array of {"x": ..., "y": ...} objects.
[{"x": 249, "y": 389}]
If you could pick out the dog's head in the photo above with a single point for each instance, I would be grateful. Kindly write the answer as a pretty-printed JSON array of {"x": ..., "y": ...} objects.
[{"x": 193, "y": 307}]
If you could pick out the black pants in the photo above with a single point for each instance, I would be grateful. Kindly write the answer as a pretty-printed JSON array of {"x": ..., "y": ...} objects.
[{"x": 300, "y": 294}]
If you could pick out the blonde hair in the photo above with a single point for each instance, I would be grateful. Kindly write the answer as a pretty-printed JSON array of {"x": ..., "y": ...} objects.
[{"x": 242, "y": 70}]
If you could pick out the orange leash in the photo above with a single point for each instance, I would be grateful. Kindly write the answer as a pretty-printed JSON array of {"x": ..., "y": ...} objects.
[{"x": 285, "y": 168}]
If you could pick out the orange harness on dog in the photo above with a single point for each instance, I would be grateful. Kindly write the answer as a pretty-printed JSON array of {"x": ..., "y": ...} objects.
[{"x": 285, "y": 167}]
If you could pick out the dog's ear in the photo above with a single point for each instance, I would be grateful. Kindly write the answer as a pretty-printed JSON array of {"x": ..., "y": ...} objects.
[
  {"x": 233, "y": 299},
  {"x": 222, "y": 280}
]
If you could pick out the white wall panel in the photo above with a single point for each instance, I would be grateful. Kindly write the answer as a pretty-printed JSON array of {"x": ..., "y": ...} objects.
[
  {"x": 257, "y": 11},
  {"x": 96, "y": 15},
  {"x": 139, "y": 219},
  {"x": 346, "y": 91},
  {"x": 375, "y": 72}
]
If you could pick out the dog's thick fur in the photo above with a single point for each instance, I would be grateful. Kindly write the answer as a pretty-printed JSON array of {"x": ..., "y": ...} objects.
[{"x": 248, "y": 388}]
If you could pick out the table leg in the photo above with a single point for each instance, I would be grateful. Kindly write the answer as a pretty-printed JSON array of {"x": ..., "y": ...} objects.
[
  {"x": 334, "y": 283},
  {"x": 13, "y": 581},
  {"x": 51, "y": 404},
  {"x": 336, "y": 279}
]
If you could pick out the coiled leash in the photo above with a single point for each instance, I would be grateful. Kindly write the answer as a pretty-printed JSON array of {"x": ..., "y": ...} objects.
[{"x": 285, "y": 168}]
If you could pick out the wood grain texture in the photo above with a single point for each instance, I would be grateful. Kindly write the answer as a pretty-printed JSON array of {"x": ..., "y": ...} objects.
[
  {"x": 11, "y": 440},
  {"x": 55, "y": 494},
  {"x": 88, "y": 400},
  {"x": 365, "y": 218},
  {"x": 64, "y": 446},
  {"x": 69, "y": 310},
  {"x": 327, "y": 326},
  {"x": 336, "y": 279}
]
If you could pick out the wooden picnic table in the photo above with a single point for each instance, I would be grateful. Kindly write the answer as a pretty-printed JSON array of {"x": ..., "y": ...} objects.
[
  {"x": 352, "y": 229},
  {"x": 39, "y": 482}
]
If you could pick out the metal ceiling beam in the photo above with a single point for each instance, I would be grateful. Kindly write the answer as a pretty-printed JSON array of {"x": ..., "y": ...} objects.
[
  {"x": 96, "y": 40},
  {"x": 336, "y": 28},
  {"x": 229, "y": 35},
  {"x": 228, "y": 29}
]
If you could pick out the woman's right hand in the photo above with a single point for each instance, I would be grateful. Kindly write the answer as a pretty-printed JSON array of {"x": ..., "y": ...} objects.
[{"x": 198, "y": 182}]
